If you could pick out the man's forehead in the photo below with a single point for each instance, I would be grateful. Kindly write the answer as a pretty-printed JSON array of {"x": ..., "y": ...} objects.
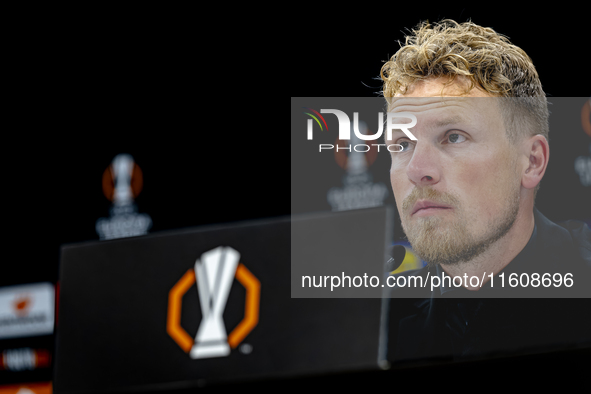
[
  {"x": 421, "y": 104},
  {"x": 445, "y": 110},
  {"x": 450, "y": 108},
  {"x": 437, "y": 92},
  {"x": 477, "y": 115}
]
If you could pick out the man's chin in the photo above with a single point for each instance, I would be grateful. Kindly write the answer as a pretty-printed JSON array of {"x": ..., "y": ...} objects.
[
  {"x": 448, "y": 242},
  {"x": 439, "y": 241},
  {"x": 435, "y": 253}
]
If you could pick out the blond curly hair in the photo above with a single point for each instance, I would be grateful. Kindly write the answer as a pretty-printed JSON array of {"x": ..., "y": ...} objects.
[{"x": 486, "y": 58}]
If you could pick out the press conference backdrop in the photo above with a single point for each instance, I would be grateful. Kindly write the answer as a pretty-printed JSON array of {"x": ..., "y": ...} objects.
[
  {"x": 198, "y": 170},
  {"x": 167, "y": 191},
  {"x": 213, "y": 304}
]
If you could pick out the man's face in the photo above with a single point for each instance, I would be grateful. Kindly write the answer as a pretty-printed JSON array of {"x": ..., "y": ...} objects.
[{"x": 457, "y": 187}]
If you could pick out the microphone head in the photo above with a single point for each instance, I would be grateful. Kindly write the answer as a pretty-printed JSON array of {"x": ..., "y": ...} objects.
[{"x": 397, "y": 254}]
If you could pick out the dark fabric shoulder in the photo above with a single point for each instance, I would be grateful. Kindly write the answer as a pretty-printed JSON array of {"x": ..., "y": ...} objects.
[
  {"x": 571, "y": 237},
  {"x": 563, "y": 248},
  {"x": 581, "y": 236}
]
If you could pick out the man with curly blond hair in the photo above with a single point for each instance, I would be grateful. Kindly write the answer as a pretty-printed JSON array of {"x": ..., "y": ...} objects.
[{"x": 465, "y": 192}]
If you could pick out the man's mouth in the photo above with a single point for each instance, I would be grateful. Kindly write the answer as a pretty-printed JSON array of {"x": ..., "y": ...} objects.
[{"x": 426, "y": 207}]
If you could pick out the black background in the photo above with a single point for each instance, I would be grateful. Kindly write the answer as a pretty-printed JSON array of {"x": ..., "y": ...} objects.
[
  {"x": 199, "y": 112},
  {"x": 197, "y": 105}
]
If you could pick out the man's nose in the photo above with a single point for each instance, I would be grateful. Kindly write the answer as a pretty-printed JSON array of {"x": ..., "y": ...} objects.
[{"x": 424, "y": 168}]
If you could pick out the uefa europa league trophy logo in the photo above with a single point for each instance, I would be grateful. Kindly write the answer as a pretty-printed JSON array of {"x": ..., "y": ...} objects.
[
  {"x": 214, "y": 273},
  {"x": 122, "y": 182},
  {"x": 359, "y": 190},
  {"x": 122, "y": 167}
]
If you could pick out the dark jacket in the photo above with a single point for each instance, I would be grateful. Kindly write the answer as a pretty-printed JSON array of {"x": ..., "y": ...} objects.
[{"x": 452, "y": 323}]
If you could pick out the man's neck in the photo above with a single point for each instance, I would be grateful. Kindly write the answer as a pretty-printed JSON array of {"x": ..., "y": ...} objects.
[{"x": 499, "y": 254}]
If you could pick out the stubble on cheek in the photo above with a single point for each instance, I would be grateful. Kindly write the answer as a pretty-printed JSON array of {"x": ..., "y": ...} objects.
[{"x": 448, "y": 239}]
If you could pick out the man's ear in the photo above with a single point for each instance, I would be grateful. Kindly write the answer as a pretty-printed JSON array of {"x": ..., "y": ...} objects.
[{"x": 538, "y": 152}]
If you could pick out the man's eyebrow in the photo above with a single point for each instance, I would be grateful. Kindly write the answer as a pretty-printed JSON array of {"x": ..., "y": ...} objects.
[
  {"x": 440, "y": 122},
  {"x": 447, "y": 121}
]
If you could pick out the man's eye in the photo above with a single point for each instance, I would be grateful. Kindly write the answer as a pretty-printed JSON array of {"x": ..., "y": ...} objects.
[
  {"x": 405, "y": 145},
  {"x": 456, "y": 138}
]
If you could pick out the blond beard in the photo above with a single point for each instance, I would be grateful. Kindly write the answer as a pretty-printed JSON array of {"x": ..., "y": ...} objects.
[{"x": 438, "y": 242}]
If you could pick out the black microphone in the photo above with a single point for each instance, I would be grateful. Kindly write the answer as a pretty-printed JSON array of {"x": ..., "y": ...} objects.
[{"x": 397, "y": 254}]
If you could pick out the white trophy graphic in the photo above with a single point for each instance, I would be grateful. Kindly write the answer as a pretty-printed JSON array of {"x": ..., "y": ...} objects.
[
  {"x": 124, "y": 221},
  {"x": 214, "y": 273},
  {"x": 122, "y": 167},
  {"x": 359, "y": 190},
  {"x": 356, "y": 163}
]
